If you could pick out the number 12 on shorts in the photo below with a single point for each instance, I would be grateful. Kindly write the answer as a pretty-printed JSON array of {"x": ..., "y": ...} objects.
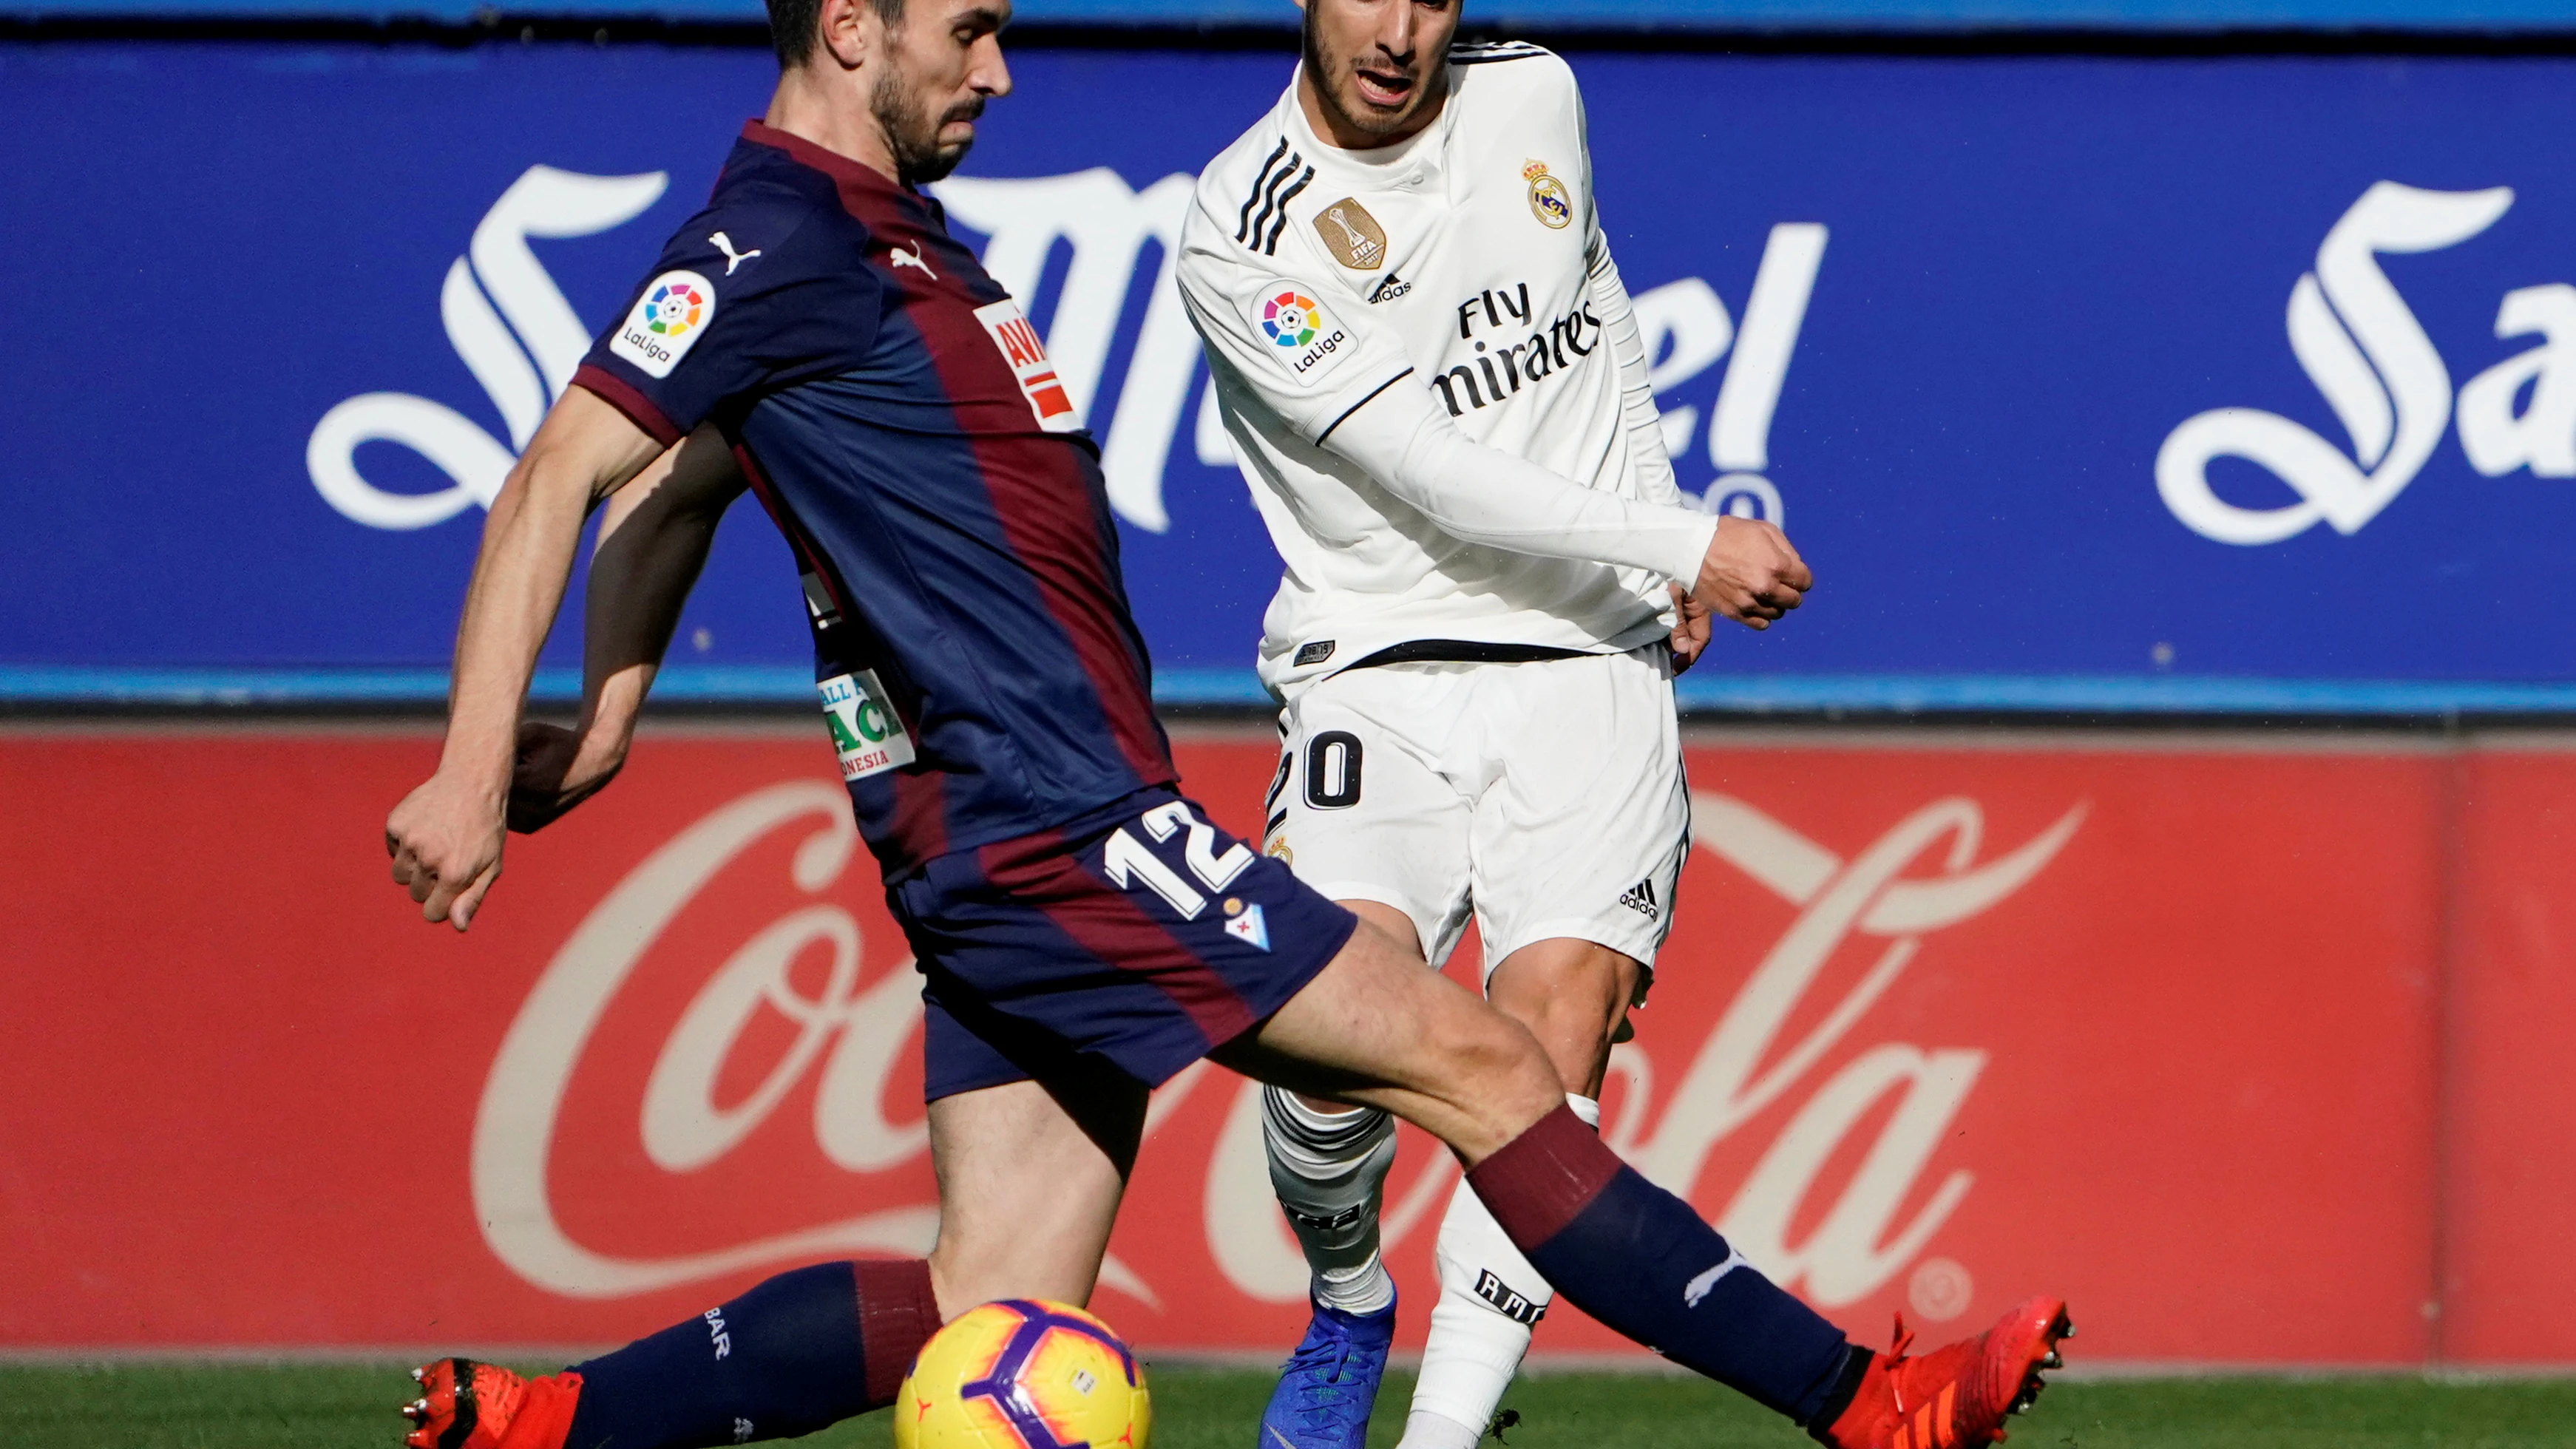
[{"x": 1129, "y": 862}]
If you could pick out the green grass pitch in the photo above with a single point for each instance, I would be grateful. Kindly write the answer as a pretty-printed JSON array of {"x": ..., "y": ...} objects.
[{"x": 167, "y": 1406}]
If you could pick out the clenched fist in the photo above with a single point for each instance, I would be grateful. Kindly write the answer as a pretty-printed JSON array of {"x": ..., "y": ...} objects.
[
  {"x": 1751, "y": 574},
  {"x": 445, "y": 840}
]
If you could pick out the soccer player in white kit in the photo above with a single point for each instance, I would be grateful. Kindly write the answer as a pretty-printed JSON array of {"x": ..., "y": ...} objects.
[{"x": 1425, "y": 358}]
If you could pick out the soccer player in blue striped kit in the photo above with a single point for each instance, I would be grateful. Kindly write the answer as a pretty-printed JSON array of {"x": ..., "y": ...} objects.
[{"x": 1083, "y": 932}]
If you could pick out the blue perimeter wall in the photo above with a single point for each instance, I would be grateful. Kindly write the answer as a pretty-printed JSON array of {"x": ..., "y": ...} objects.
[{"x": 2042, "y": 427}]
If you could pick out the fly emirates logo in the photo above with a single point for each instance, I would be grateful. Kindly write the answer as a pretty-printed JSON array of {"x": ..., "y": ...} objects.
[
  {"x": 1121, "y": 356},
  {"x": 1548, "y": 349},
  {"x": 683, "y": 1034}
]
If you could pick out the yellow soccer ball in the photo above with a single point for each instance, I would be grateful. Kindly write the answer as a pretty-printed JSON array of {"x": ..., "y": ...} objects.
[{"x": 1024, "y": 1374}]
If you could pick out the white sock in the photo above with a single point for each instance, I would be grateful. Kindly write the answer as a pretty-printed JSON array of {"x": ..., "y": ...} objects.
[
  {"x": 1328, "y": 1167},
  {"x": 1490, "y": 1297},
  {"x": 1424, "y": 1429}
]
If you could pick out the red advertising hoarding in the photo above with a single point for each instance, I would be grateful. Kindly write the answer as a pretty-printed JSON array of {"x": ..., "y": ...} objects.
[{"x": 2251, "y": 1049}]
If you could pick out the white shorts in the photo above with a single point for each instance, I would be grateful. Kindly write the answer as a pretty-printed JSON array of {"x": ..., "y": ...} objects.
[{"x": 1546, "y": 797}]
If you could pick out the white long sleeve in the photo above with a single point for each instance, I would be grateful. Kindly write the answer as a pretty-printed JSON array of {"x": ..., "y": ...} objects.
[
  {"x": 1487, "y": 496},
  {"x": 1644, "y": 420}
]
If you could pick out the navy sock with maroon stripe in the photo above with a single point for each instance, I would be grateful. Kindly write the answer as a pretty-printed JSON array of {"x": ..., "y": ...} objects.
[
  {"x": 1640, "y": 1260},
  {"x": 792, "y": 1354}
]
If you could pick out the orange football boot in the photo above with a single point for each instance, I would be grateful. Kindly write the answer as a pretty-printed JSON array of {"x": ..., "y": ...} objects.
[
  {"x": 470, "y": 1405},
  {"x": 1955, "y": 1397}
]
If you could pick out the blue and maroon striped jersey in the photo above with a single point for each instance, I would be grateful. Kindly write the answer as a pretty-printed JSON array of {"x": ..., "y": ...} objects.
[{"x": 980, "y": 670}]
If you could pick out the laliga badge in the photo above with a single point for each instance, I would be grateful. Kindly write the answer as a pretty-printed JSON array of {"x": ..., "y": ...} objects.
[
  {"x": 1547, "y": 197},
  {"x": 1297, "y": 332},
  {"x": 866, "y": 733},
  {"x": 1351, "y": 235},
  {"x": 667, "y": 321}
]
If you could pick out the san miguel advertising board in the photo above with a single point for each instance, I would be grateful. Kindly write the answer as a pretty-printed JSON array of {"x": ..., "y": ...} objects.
[
  {"x": 2254, "y": 1049},
  {"x": 2178, "y": 371}
]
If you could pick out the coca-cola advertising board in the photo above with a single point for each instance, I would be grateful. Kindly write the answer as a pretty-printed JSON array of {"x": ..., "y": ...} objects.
[{"x": 2251, "y": 1048}]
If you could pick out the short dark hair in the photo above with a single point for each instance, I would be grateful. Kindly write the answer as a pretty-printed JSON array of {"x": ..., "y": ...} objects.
[{"x": 793, "y": 23}]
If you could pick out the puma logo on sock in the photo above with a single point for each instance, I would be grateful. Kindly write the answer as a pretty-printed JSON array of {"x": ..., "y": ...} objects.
[{"x": 1697, "y": 1288}]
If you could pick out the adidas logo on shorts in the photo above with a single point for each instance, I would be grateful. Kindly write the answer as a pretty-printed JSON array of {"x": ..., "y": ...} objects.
[{"x": 1641, "y": 899}]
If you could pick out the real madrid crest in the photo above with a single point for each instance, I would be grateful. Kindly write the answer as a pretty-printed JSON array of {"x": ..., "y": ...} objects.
[
  {"x": 1547, "y": 198},
  {"x": 1352, "y": 235}
]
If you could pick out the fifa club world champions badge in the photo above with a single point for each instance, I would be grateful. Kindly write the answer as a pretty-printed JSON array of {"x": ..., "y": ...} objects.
[
  {"x": 1351, "y": 235},
  {"x": 1547, "y": 198}
]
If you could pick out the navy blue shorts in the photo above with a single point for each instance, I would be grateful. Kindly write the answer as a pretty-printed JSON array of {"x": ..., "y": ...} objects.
[{"x": 1141, "y": 935}]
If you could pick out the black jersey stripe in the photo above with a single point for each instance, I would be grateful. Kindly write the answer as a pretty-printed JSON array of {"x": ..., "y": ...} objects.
[
  {"x": 1488, "y": 53},
  {"x": 1270, "y": 244},
  {"x": 1270, "y": 199},
  {"x": 1243, "y": 222},
  {"x": 1363, "y": 402}
]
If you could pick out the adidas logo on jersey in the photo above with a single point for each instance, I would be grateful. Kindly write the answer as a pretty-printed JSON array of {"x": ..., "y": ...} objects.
[
  {"x": 1387, "y": 291},
  {"x": 1641, "y": 899}
]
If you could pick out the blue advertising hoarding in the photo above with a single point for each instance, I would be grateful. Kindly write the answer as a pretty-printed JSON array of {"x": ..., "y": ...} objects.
[{"x": 2083, "y": 382}]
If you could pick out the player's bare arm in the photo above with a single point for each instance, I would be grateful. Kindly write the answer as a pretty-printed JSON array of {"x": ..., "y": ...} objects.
[
  {"x": 445, "y": 837},
  {"x": 654, "y": 534}
]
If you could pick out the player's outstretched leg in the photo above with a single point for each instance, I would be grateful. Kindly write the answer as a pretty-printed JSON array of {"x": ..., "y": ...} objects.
[
  {"x": 1372, "y": 1028},
  {"x": 794, "y": 1353},
  {"x": 1622, "y": 1249},
  {"x": 1328, "y": 1166}
]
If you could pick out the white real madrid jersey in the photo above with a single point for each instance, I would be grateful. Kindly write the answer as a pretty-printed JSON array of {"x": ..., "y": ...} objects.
[{"x": 1465, "y": 261}]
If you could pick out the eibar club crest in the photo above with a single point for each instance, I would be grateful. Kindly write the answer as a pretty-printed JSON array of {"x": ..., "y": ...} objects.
[
  {"x": 1246, "y": 924},
  {"x": 1547, "y": 197},
  {"x": 1351, "y": 235}
]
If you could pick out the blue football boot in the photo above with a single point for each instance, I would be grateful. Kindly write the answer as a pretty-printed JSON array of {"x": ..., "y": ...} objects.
[{"x": 1327, "y": 1387}]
